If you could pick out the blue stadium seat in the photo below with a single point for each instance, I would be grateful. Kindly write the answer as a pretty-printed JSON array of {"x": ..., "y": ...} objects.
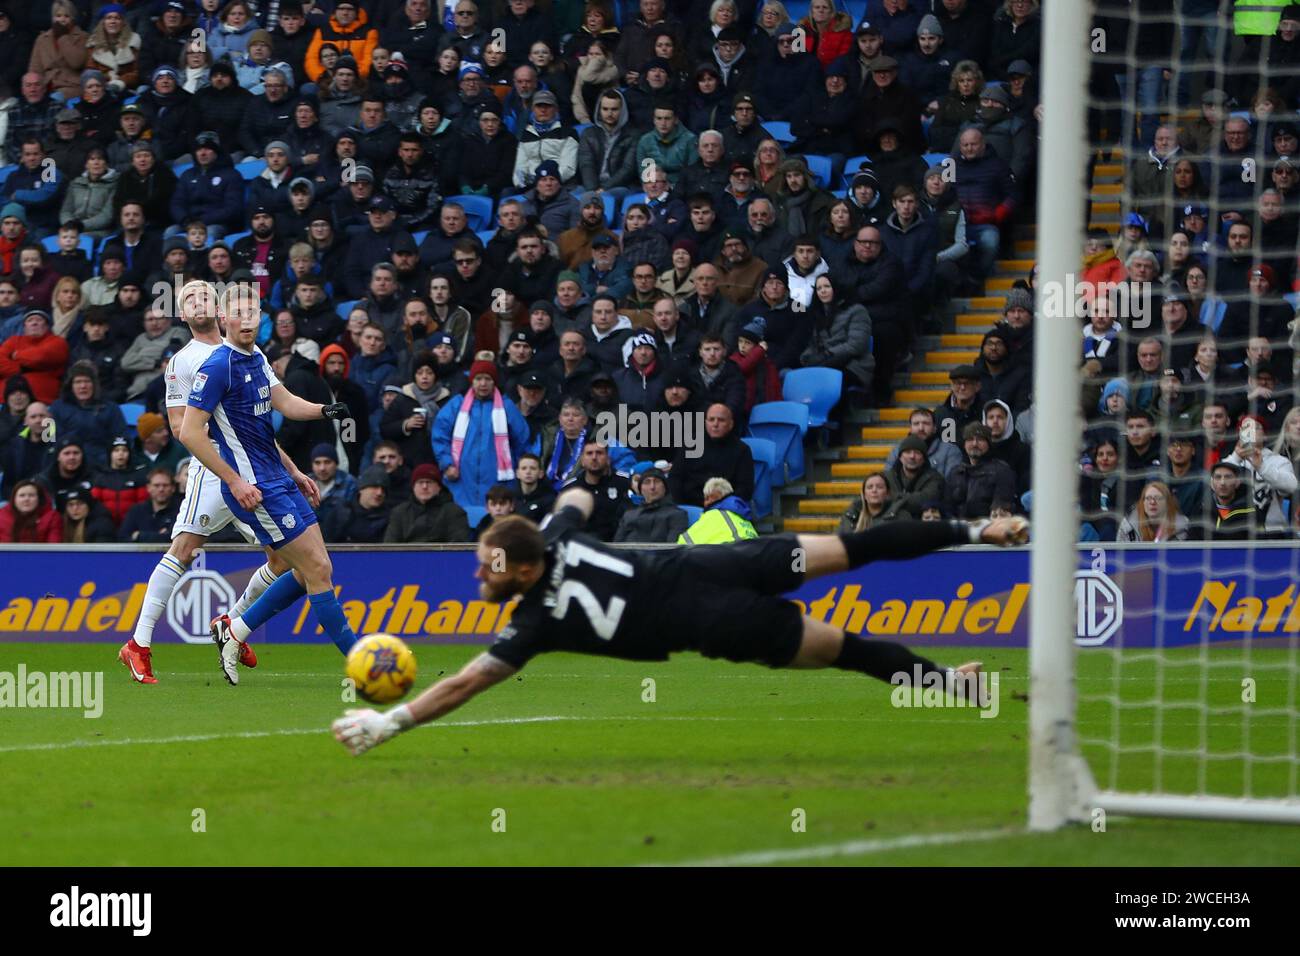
[
  {"x": 818, "y": 388},
  {"x": 131, "y": 411},
  {"x": 231, "y": 238},
  {"x": 343, "y": 308},
  {"x": 85, "y": 243},
  {"x": 631, "y": 199},
  {"x": 840, "y": 193},
  {"x": 475, "y": 514},
  {"x": 934, "y": 159},
  {"x": 852, "y": 166},
  {"x": 581, "y": 128},
  {"x": 927, "y": 121},
  {"x": 765, "y": 473},
  {"x": 784, "y": 424},
  {"x": 779, "y": 131},
  {"x": 478, "y": 210},
  {"x": 820, "y": 167},
  {"x": 693, "y": 513},
  {"x": 251, "y": 168},
  {"x": 485, "y": 236},
  {"x": 5, "y": 171},
  {"x": 611, "y": 209},
  {"x": 420, "y": 236},
  {"x": 181, "y": 168}
]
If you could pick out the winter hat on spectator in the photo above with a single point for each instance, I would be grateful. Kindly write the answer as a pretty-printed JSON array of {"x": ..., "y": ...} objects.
[
  {"x": 755, "y": 331},
  {"x": 17, "y": 383},
  {"x": 543, "y": 305},
  {"x": 929, "y": 24},
  {"x": 207, "y": 138},
  {"x": 108, "y": 8},
  {"x": 548, "y": 168},
  {"x": 424, "y": 359},
  {"x": 325, "y": 450},
  {"x": 346, "y": 62},
  {"x": 114, "y": 250},
  {"x": 67, "y": 116},
  {"x": 276, "y": 144},
  {"x": 363, "y": 174},
  {"x": 121, "y": 441},
  {"x": 303, "y": 183},
  {"x": 1266, "y": 271},
  {"x": 643, "y": 338},
  {"x": 483, "y": 367},
  {"x": 98, "y": 75},
  {"x": 224, "y": 66},
  {"x": 165, "y": 70},
  {"x": 174, "y": 243},
  {"x": 865, "y": 177},
  {"x": 976, "y": 430},
  {"x": 1018, "y": 299},
  {"x": 912, "y": 443},
  {"x": 774, "y": 273},
  {"x": 532, "y": 380},
  {"x": 148, "y": 423},
  {"x": 866, "y": 26},
  {"x": 691, "y": 248},
  {"x": 657, "y": 63},
  {"x": 259, "y": 36},
  {"x": 679, "y": 379},
  {"x": 996, "y": 92},
  {"x": 708, "y": 68},
  {"x": 568, "y": 275},
  {"x": 1114, "y": 385},
  {"x": 993, "y": 334},
  {"x": 15, "y": 211},
  {"x": 439, "y": 338},
  {"x": 732, "y": 34},
  {"x": 733, "y": 233},
  {"x": 426, "y": 472},
  {"x": 1290, "y": 12},
  {"x": 520, "y": 335},
  {"x": 841, "y": 69},
  {"x": 380, "y": 203},
  {"x": 1020, "y": 68},
  {"x": 1215, "y": 98},
  {"x": 467, "y": 68},
  {"x": 1137, "y": 219},
  {"x": 319, "y": 214},
  {"x": 374, "y": 477}
]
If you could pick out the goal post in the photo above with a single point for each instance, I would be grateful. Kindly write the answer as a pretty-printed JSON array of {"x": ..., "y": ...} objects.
[{"x": 1166, "y": 704}]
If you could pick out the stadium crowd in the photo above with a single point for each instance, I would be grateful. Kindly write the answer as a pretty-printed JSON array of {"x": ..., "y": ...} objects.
[{"x": 482, "y": 225}]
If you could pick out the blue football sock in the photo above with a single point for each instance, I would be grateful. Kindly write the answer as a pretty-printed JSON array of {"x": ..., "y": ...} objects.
[
  {"x": 329, "y": 614},
  {"x": 278, "y": 597}
]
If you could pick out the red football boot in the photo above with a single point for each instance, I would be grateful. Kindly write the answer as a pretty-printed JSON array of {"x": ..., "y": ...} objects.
[
  {"x": 246, "y": 655},
  {"x": 139, "y": 660}
]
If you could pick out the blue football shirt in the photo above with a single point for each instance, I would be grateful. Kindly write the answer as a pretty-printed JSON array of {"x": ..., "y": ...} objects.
[{"x": 234, "y": 387}]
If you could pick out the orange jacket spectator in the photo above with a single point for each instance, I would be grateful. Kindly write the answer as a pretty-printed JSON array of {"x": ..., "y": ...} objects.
[
  {"x": 357, "y": 39},
  {"x": 38, "y": 355},
  {"x": 1102, "y": 266},
  {"x": 60, "y": 52},
  {"x": 831, "y": 42},
  {"x": 31, "y": 520}
]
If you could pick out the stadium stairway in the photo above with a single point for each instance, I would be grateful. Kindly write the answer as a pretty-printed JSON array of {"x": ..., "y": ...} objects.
[{"x": 835, "y": 475}]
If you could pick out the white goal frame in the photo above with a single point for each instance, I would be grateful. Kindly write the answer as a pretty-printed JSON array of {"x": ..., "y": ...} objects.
[{"x": 1061, "y": 785}]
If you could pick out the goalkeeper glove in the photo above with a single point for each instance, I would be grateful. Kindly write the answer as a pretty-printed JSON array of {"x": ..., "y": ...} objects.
[
  {"x": 335, "y": 411},
  {"x": 360, "y": 730}
]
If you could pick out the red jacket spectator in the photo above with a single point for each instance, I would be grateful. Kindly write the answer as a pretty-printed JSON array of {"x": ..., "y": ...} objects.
[
  {"x": 38, "y": 355},
  {"x": 120, "y": 489},
  {"x": 25, "y": 525},
  {"x": 833, "y": 41},
  {"x": 9, "y": 247},
  {"x": 761, "y": 381}
]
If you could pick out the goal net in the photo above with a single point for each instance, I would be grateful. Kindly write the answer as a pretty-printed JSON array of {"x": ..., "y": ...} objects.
[{"x": 1166, "y": 445}]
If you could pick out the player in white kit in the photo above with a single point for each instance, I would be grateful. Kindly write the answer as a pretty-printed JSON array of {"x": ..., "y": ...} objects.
[{"x": 204, "y": 511}]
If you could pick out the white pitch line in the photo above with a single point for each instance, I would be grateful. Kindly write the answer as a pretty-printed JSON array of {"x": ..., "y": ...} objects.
[{"x": 829, "y": 851}]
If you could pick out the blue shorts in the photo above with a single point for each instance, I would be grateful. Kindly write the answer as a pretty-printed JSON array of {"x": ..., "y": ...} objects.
[{"x": 283, "y": 514}]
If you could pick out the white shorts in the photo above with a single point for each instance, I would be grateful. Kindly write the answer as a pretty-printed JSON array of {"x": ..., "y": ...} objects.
[{"x": 204, "y": 510}]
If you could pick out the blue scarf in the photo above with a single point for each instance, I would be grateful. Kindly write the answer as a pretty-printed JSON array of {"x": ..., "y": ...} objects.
[{"x": 553, "y": 471}]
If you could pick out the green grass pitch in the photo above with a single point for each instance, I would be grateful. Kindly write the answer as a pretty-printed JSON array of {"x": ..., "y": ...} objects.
[{"x": 587, "y": 772}]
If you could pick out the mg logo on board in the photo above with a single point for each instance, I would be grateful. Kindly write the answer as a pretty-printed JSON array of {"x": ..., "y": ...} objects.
[
  {"x": 200, "y": 596},
  {"x": 1099, "y": 608}
]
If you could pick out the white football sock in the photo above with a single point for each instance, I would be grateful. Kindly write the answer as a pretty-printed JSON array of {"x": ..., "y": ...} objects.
[
  {"x": 162, "y": 582},
  {"x": 239, "y": 629},
  {"x": 262, "y": 579}
]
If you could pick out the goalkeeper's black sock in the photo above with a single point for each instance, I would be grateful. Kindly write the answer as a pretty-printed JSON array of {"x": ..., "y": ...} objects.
[
  {"x": 899, "y": 540},
  {"x": 883, "y": 659}
]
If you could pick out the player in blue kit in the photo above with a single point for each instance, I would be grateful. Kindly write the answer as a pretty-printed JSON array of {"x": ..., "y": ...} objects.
[{"x": 228, "y": 427}]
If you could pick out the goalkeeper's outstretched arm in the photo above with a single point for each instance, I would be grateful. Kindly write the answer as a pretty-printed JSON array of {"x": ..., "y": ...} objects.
[
  {"x": 360, "y": 730},
  {"x": 903, "y": 540}
]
